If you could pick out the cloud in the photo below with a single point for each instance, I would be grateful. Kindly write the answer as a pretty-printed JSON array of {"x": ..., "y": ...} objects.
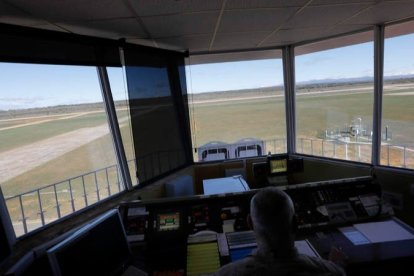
[
  {"x": 9, "y": 103},
  {"x": 317, "y": 60}
]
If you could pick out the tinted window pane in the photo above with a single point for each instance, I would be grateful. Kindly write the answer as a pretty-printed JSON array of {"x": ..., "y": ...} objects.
[
  {"x": 156, "y": 97},
  {"x": 334, "y": 98}
]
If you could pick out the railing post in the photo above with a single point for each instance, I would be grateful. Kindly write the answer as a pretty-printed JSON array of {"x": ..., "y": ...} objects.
[
  {"x": 42, "y": 217},
  {"x": 117, "y": 179},
  {"x": 57, "y": 201},
  {"x": 96, "y": 186},
  {"x": 84, "y": 191},
  {"x": 346, "y": 151},
  {"x": 107, "y": 180},
  {"x": 334, "y": 148},
  {"x": 71, "y": 196},
  {"x": 23, "y": 215}
]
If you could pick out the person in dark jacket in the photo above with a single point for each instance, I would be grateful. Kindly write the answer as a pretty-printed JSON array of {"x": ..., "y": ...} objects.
[{"x": 272, "y": 220}]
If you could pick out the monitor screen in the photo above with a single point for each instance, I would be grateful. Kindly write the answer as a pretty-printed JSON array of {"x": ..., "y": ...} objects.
[
  {"x": 277, "y": 165},
  {"x": 168, "y": 221},
  {"x": 98, "y": 248}
]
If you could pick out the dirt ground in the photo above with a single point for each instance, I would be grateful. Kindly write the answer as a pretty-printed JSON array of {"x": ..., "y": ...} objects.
[{"x": 17, "y": 161}]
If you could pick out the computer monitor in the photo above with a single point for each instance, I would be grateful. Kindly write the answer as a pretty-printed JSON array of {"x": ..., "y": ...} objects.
[
  {"x": 277, "y": 164},
  {"x": 98, "y": 248},
  {"x": 168, "y": 221}
]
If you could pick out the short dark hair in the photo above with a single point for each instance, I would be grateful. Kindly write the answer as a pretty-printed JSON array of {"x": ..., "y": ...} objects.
[{"x": 272, "y": 213}]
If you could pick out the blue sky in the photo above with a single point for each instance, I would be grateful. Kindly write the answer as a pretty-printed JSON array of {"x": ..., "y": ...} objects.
[{"x": 30, "y": 85}]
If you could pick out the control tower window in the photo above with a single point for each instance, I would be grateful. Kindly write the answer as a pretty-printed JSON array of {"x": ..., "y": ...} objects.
[
  {"x": 397, "y": 144},
  {"x": 56, "y": 148},
  {"x": 237, "y": 105},
  {"x": 334, "y": 97}
]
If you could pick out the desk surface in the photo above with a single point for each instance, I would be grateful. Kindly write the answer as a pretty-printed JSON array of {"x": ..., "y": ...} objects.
[
  {"x": 225, "y": 185},
  {"x": 384, "y": 257}
]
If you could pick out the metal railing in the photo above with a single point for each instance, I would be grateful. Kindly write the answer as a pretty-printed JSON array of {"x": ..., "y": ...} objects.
[
  {"x": 36, "y": 208},
  {"x": 401, "y": 156}
]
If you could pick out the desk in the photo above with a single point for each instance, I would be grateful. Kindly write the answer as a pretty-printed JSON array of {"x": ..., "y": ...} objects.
[
  {"x": 225, "y": 185},
  {"x": 377, "y": 258}
]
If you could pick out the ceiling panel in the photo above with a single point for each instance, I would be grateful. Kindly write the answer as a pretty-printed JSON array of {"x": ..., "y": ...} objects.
[
  {"x": 199, "y": 43},
  {"x": 141, "y": 41},
  {"x": 343, "y": 29},
  {"x": 341, "y": 41},
  {"x": 253, "y": 20},
  {"x": 164, "y": 7},
  {"x": 324, "y": 15},
  {"x": 51, "y": 27},
  {"x": 385, "y": 12},
  {"x": 116, "y": 28},
  {"x": 246, "y": 40},
  {"x": 253, "y": 4},
  {"x": 338, "y": 2},
  {"x": 90, "y": 31},
  {"x": 11, "y": 15},
  {"x": 191, "y": 24},
  {"x": 292, "y": 36},
  {"x": 71, "y": 10},
  {"x": 180, "y": 25}
]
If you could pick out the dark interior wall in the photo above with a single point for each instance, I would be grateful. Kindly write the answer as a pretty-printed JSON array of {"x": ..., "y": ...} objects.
[
  {"x": 398, "y": 186},
  {"x": 317, "y": 169}
]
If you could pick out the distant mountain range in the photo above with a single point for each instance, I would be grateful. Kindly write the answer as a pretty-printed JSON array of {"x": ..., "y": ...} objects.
[{"x": 354, "y": 80}]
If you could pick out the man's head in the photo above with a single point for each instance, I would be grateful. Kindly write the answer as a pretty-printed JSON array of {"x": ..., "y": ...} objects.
[{"x": 272, "y": 214}]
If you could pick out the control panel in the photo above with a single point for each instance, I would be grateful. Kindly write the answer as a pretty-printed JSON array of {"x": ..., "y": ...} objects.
[
  {"x": 336, "y": 201},
  {"x": 169, "y": 228}
]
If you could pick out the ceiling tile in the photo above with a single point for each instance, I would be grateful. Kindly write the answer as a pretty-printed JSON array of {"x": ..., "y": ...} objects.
[
  {"x": 50, "y": 27},
  {"x": 11, "y": 15},
  {"x": 292, "y": 36},
  {"x": 323, "y": 15},
  {"x": 253, "y": 20},
  {"x": 385, "y": 12},
  {"x": 245, "y": 40},
  {"x": 71, "y": 10},
  {"x": 180, "y": 25},
  {"x": 253, "y": 4},
  {"x": 89, "y": 30},
  {"x": 121, "y": 28},
  {"x": 343, "y": 29},
  {"x": 197, "y": 43},
  {"x": 165, "y": 7},
  {"x": 338, "y": 2},
  {"x": 141, "y": 41}
]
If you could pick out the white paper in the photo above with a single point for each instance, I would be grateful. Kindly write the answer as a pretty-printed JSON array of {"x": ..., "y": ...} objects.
[
  {"x": 224, "y": 185},
  {"x": 384, "y": 231}
]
